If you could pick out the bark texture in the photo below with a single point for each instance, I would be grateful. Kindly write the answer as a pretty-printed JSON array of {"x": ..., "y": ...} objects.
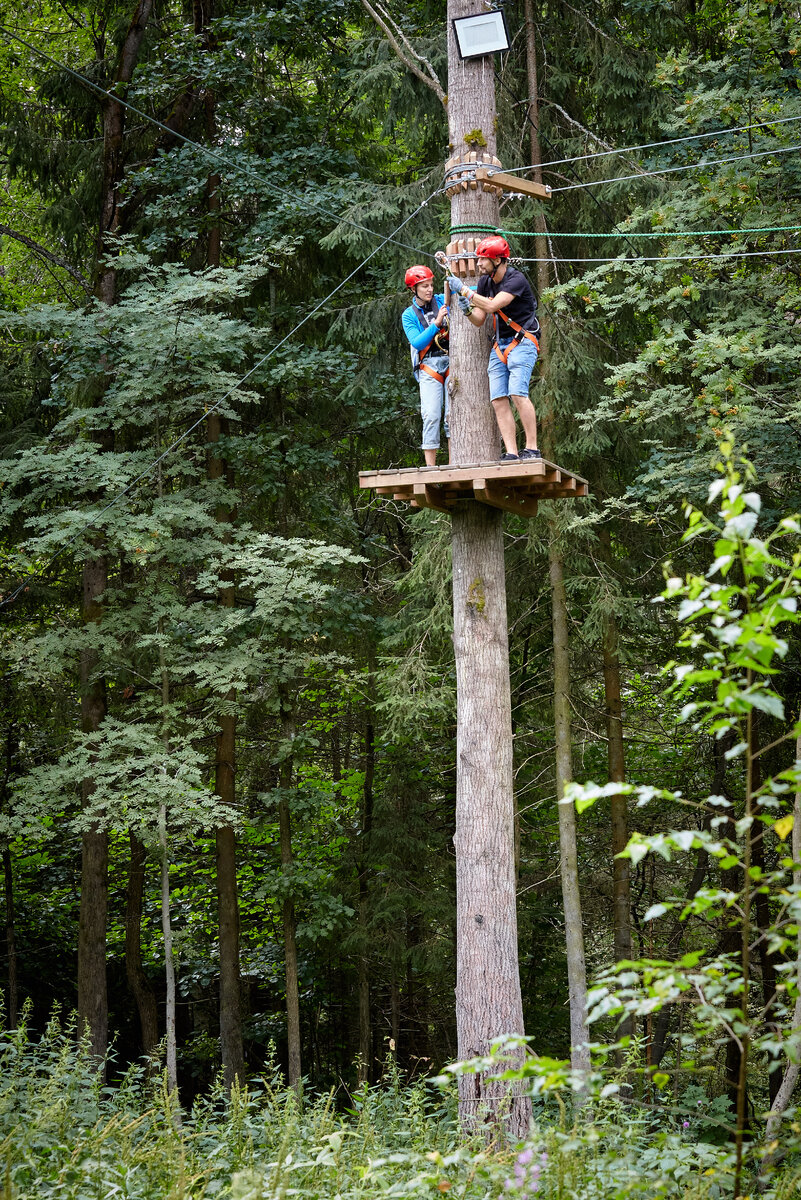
[
  {"x": 365, "y": 1022},
  {"x": 92, "y": 988},
  {"x": 12, "y": 995},
  {"x": 568, "y": 854},
  {"x": 488, "y": 999},
  {"x": 289, "y": 920},
  {"x": 138, "y": 981}
]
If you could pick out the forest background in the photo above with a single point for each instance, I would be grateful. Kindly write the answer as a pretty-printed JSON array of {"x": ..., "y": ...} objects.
[{"x": 230, "y": 679}]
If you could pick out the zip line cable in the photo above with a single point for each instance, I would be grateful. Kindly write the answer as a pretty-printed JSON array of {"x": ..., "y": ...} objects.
[
  {"x": 712, "y": 162},
  {"x": 665, "y": 257},
  {"x": 598, "y": 203},
  {"x": 665, "y": 233},
  {"x": 25, "y": 583},
  {"x": 207, "y": 150},
  {"x": 558, "y": 162}
]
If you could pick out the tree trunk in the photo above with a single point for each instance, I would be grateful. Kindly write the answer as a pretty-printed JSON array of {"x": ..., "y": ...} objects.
[
  {"x": 138, "y": 981},
  {"x": 231, "y": 1048},
  {"x": 365, "y": 1026},
  {"x": 290, "y": 940},
  {"x": 488, "y": 1000},
  {"x": 12, "y": 992},
  {"x": 92, "y": 988},
  {"x": 571, "y": 896},
  {"x": 225, "y": 771},
  {"x": 767, "y": 962},
  {"x": 12, "y": 995},
  {"x": 169, "y": 964}
]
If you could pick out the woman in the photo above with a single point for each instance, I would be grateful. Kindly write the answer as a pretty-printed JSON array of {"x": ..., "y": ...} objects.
[{"x": 425, "y": 323}]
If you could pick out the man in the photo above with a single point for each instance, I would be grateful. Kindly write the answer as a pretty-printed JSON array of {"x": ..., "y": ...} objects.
[
  {"x": 425, "y": 323},
  {"x": 506, "y": 295}
]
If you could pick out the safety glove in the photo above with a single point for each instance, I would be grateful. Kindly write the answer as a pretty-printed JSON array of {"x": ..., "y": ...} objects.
[
  {"x": 464, "y": 304},
  {"x": 456, "y": 285}
]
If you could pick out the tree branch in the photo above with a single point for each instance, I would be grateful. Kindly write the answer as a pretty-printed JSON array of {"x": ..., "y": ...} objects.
[
  {"x": 408, "y": 56},
  {"x": 53, "y": 258}
]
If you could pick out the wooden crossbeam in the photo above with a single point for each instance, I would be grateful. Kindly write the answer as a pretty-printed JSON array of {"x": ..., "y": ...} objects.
[
  {"x": 427, "y": 496},
  {"x": 513, "y": 183},
  {"x": 508, "y": 501}
]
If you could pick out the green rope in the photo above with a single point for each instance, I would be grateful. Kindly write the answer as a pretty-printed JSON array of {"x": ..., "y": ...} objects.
[
  {"x": 664, "y": 234},
  {"x": 472, "y": 229}
]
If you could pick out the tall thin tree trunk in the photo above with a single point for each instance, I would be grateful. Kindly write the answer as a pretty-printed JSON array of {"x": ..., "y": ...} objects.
[
  {"x": 365, "y": 1026},
  {"x": 92, "y": 986},
  {"x": 12, "y": 995},
  {"x": 488, "y": 999},
  {"x": 169, "y": 962},
  {"x": 231, "y": 1048},
  {"x": 164, "y": 859},
  {"x": 571, "y": 896},
  {"x": 12, "y": 991},
  {"x": 746, "y": 902},
  {"x": 138, "y": 981},
  {"x": 294, "y": 1071},
  {"x": 767, "y": 962}
]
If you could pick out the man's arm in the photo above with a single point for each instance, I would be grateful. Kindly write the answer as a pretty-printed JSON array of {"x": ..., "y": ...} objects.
[{"x": 481, "y": 304}]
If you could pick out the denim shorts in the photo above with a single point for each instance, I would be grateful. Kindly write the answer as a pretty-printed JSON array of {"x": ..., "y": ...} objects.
[
  {"x": 434, "y": 398},
  {"x": 512, "y": 377}
]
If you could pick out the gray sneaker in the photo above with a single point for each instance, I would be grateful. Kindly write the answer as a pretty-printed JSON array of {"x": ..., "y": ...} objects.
[
  {"x": 509, "y": 458},
  {"x": 530, "y": 453}
]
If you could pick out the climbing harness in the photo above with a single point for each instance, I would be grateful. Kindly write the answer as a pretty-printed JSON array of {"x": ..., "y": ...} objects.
[
  {"x": 441, "y": 342},
  {"x": 520, "y": 333}
]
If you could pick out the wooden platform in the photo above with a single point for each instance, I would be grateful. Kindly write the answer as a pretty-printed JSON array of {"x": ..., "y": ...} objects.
[{"x": 515, "y": 487}]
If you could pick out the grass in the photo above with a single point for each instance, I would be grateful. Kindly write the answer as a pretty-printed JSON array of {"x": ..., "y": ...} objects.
[{"x": 65, "y": 1135}]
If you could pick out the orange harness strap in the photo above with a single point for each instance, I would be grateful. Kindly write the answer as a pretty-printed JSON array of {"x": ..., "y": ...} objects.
[
  {"x": 519, "y": 332},
  {"x": 430, "y": 370}
]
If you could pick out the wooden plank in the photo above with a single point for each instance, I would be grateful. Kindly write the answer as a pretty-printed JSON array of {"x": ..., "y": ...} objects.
[
  {"x": 508, "y": 472},
  {"x": 513, "y": 183}
]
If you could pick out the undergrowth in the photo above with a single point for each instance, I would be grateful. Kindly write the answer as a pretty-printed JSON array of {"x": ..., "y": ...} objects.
[{"x": 65, "y": 1134}]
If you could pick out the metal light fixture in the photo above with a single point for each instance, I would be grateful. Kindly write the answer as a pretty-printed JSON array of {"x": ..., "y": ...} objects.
[{"x": 483, "y": 33}]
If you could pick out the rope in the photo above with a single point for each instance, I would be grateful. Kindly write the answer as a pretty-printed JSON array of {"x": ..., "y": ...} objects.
[
  {"x": 712, "y": 162},
  {"x": 25, "y": 583},
  {"x": 213, "y": 154},
  {"x": 456, "y": 229},
  {"x": 668, "y": 233},
  {"x": 662, "y": 257},
  {"x": 558, "y": 162}
]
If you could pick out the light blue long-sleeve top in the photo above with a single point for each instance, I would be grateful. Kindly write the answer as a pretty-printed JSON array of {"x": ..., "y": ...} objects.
[{"x": 418, "y": 334}]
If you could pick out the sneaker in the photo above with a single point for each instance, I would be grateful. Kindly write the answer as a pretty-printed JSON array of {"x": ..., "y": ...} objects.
[
  {"x": 509, "y": 458},
  {"x": 530, "y": 452}
]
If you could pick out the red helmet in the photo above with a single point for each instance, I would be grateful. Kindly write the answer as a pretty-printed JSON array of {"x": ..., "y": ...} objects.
[
  {"x": 417, "y": 275},
  {"x": 493, "y": 247}
]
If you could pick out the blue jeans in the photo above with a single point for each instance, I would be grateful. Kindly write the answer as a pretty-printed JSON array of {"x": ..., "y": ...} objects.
[
  {"x": 433, "y": 398},
  {"x": 512, "y": 377}
]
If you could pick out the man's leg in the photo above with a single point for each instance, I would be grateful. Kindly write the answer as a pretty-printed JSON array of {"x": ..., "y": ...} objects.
[
  {"x": 528, "y": 419},
  {"x": 521, "y": 361},
  {"x": 506, "y": 423}
]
